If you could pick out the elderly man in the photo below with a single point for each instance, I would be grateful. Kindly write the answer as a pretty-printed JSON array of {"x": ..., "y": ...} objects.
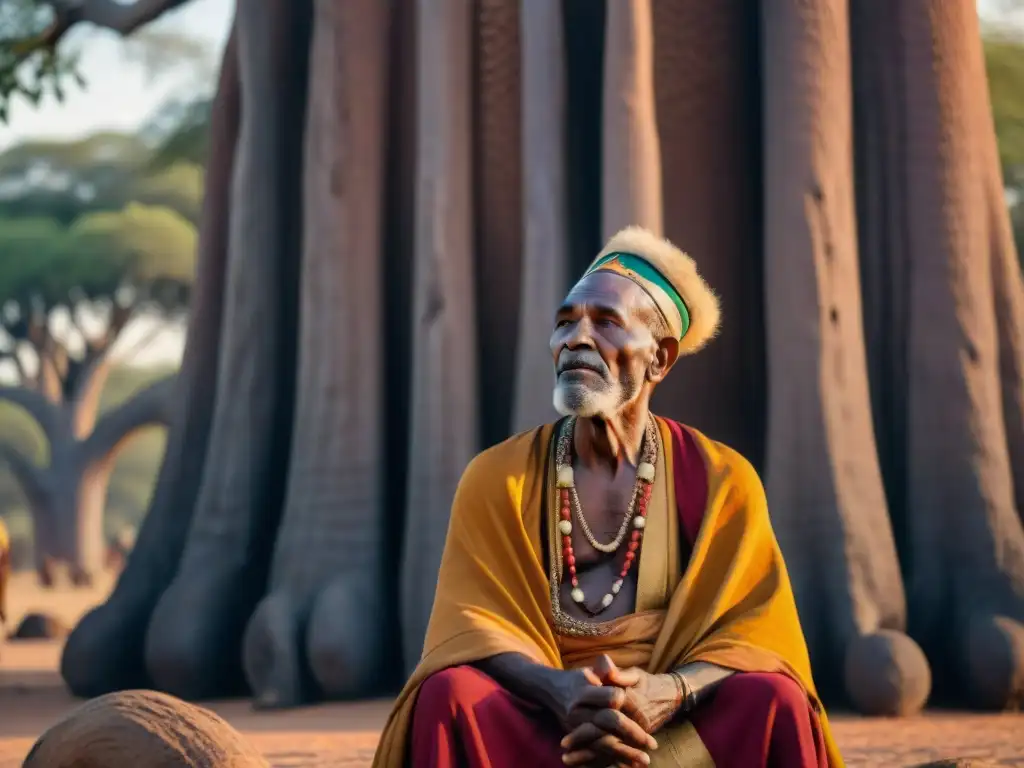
[{"x": 611, "y": 591}]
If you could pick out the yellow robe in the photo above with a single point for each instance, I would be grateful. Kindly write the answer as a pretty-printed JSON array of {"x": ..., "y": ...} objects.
[{"x": 733, "y": 604}]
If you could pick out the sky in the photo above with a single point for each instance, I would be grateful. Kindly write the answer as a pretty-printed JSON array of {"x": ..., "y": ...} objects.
[{"x": 118, "y": 95}]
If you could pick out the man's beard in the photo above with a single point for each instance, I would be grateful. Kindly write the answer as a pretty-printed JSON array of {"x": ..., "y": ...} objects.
[
  {"x": 577, "y": 398},
  {"x": 588, "y": 394}
]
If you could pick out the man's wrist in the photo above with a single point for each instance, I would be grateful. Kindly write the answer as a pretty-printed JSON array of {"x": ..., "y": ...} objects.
[
  {"x": 697, "y": 680},
  {"x": 686, "y": 697},
  {"x": 534, "y": 682}
]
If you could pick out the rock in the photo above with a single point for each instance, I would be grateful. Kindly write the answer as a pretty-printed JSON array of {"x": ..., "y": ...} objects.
[
  {"x": 40, "y": 626},
  {"x": 142, "y": 729},
  {"x": 887, "y": 674}
]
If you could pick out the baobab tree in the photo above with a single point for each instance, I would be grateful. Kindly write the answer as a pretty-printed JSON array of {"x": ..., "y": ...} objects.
[
  {"x": 66, "y": 298},
  {"x": 403, "y": 172}
]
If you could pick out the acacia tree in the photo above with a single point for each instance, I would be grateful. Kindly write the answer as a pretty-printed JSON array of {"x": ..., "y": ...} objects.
[
  {"x": 66, "y": 299},
  {"x": 401, "y": 172}
]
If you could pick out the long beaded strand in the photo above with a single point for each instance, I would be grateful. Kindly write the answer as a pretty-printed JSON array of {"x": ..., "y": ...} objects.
[{"x": 567, "y": 490}]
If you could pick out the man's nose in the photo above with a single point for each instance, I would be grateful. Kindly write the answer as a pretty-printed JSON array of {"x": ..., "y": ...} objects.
[{"x": 580, "y": 338}]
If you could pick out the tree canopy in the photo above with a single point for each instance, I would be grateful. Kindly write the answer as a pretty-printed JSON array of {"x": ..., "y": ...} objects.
[
  {"x": 143, "y": 250},
  {"x": 94, "y": 276},
  {"x": 102, "y": 172}
]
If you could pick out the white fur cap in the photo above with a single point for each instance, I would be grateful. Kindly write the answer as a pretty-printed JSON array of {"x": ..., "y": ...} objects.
[{"x": 681, "y": 271}]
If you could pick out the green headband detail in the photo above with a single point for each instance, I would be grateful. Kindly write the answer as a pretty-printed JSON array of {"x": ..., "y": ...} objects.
[{"x": 648, "y": 272}]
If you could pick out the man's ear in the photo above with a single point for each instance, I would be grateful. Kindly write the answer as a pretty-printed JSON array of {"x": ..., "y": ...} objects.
[{"x": 664, "y": 359}]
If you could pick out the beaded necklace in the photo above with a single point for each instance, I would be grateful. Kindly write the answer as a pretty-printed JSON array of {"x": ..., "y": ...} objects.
[{"x": 569, "y": 503}]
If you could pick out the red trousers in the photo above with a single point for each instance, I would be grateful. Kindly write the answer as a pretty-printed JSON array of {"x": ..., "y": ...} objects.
[{"x": 464, "y": 719}]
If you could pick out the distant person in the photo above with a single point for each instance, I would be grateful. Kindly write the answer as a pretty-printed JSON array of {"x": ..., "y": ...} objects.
[
  {"x": 6, "y": 567},
  {"x": 611, "y": 590}
]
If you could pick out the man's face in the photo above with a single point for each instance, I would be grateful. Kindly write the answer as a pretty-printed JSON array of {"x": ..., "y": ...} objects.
[{"x": 603, "y": 346}]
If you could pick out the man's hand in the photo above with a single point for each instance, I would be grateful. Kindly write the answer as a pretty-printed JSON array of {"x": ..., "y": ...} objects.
[
  {"x": 576, "y": 698},
  {"x": 584, "y": 705},
  {"x": 642, "y": 704}
]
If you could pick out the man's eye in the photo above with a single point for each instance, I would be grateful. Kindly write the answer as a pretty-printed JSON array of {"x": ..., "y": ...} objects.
[{"x": 561, "y": 323}]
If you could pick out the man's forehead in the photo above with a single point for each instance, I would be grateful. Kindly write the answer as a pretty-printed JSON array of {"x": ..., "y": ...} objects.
[{"x": 607, "y": 289}]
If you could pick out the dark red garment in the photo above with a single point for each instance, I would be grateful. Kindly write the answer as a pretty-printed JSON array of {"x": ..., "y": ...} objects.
[
  {"x": 760, "y": 720},
  {"x": 464, "y": 719}
]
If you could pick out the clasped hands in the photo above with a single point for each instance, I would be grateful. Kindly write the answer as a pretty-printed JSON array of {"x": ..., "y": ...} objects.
[{"x": 610, "y": 714}]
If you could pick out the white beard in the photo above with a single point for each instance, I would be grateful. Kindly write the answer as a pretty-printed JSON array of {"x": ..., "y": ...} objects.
[{"x": 577, "y": 399}]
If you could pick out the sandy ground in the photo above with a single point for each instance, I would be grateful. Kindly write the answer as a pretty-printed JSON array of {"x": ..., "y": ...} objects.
[{"x": 32, "y": 697}]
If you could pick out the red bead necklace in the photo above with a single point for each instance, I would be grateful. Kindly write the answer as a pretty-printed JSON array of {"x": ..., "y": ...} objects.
[{"x": 636, "y": 516}]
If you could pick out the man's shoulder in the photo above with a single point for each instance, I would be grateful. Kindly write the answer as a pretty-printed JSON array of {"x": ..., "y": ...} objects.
[
  {"x": 718, "y": 457},
  {"x": 512, "y": 454}
]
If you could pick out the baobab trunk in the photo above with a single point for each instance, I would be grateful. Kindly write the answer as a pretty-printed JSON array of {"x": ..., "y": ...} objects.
[
  {"x": 197, "y": 626},
  {"x": 497, "y": 175},
  {"x": 965, "y": 542},
  {"x": 105, "y": 651},
  {"x": 631, "y": 157},
  {"x": 544, "y": 273},
  {"x": 707, "y": 97},
  {"x": 444, "y": 432},
  {"x": 823, "y": 480},
  {"x": 331, "y": 540}
]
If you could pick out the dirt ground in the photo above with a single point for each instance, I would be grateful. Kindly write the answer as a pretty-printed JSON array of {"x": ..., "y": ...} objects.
[{"x": 32, "y": 697}]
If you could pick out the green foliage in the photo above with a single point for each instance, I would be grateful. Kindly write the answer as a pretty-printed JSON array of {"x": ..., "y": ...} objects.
[
  {"x": 135, "y": 469},
  {"x": 103, "y": 172},
  {"x": 147, "y": 250},
  {"x": 1004, "y": 61},
  {"x": 104, "y": 153},
  {"x": 35, "y": 62},
  {"x": 178, "y": 187},
  {"x": 30, "y": 66}
]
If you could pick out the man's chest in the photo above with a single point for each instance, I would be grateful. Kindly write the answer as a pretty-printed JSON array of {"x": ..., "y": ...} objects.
[{"x": 603, "y": 507}]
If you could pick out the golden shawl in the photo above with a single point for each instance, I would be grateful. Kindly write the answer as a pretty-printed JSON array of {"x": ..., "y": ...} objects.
[{"x": 733, "y": 605}]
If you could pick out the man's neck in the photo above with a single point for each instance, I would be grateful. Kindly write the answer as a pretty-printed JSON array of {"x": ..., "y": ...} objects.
[{"x": 614, "y": 440}]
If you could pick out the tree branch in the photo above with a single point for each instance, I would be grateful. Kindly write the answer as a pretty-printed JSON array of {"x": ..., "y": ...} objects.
[
  {"x": 108, "y": 14},
  {"x": 30, "y": 477},
  {"x": 35, "y": 404},
  {"x": 151, "y": 405},
  {"x": 83, "y": 374}
]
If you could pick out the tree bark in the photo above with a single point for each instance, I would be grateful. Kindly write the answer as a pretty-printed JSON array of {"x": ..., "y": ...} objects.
[
  {"x": 545, "y": 257},
  {"x": 498, "y": 207},
  {"x": 66, "y": 498},
  {"x": 197, "y": 626},
  {"x": 824, "y": 484},
  {"x": 35, "y": 405},
  {"x": 965, "y": 539},
  {"x": 631, "y": 159},
  {"x": 444, "y": 422},
  {"x": 332, "y": 530},
  {"x": 105, "y": 651},
  {"x": 707, "y": 90}
]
